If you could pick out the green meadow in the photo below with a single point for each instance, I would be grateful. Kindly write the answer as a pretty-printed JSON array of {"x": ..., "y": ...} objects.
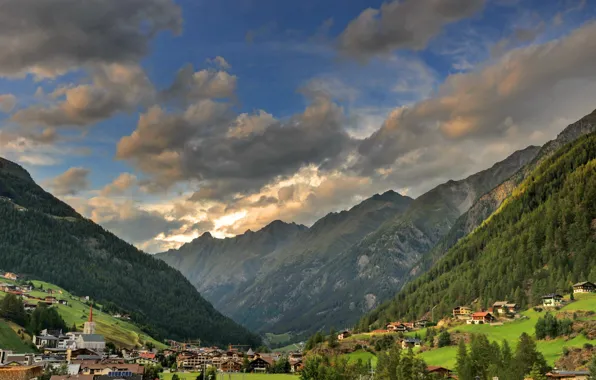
[
  {"x": 122, "y": 333},
  {"x": 551, "y": 349}
]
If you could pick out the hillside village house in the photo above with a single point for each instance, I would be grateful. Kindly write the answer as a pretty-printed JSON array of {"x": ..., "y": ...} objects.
[
  {"x": 552, "y": 300},
  {"x": 504, "y": 307},
  {"x": 584, "y": 287},
  {"x": 11, "y": 276},
  {"x": 481, "y": 317},
  {"x": 410, "y": 343},
  {"x": 397, "y": 327},
  {"x": 343, "y": 335},
  {"x": 462, "y": 312},
  {"x": 421, "y": 323},
  {"x": 259, "y": 365}
]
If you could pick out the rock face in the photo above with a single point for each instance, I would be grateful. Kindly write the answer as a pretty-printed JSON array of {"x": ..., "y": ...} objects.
[{"x": 287, "y": 277}]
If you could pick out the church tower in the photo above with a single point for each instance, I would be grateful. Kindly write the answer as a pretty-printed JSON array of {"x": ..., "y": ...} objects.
[{"x": 89, "y": 325}]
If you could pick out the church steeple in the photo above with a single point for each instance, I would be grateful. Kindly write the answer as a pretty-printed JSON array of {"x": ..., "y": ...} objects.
[{"x": 89, "y": 327}]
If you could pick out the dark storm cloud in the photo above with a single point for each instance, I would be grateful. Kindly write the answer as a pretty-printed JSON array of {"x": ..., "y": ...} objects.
[
  {"x": 51, "y": 37},
  {"x": 409, "y": 24}
]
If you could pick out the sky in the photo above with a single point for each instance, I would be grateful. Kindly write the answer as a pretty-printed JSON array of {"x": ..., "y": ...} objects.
[{"x": 162, "y": 120}]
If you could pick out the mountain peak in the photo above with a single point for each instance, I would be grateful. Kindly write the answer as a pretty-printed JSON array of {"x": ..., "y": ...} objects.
[{"x": 14, "y": 169}]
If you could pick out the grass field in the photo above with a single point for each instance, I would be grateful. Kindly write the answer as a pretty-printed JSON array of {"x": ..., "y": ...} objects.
[
  {"x": 551, "y": 349},
  {"x": 365, "y": 356},
  {"x": 231, "y": 376},
  {"x": 9, "y": 340},
  {"x": 120, "y": 332},
  {"x": 278, "y": 338}
]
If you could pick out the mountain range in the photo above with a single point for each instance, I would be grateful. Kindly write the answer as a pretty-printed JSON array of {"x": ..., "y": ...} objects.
[
  {"x": 288, "y": 277},
  {"x": 45, "y": 239}
]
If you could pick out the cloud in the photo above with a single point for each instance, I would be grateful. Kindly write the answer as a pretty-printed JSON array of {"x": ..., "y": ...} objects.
[
  {"x": 119, "y": 186},
  {"x": 71, "y": 182},
  {"x": 525, "y": 90},
  {"x": 115, "y": 88},
  {"x": 7, "y": 102},
  {"x": 51, "y": 37},
  {"x": 191, "y": 86},
  {"x": 409, "y": 24},
  {"x": 230, "y": 153},
  {"x": 220, "y": 62},
  {"x": 126, "y": 218}
]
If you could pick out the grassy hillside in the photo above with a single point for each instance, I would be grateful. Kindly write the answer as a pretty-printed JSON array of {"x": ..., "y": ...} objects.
[
  {"x": 541, "y": 240},
  {"x": 122, "y": 333},
  {"x": 551, "y": 349},
  {"x": 10, "y": 340}
]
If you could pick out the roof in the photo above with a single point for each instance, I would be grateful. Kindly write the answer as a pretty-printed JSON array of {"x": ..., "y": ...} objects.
[
  {"x": 481, "y": 314},
  {"x": 500, "y": 303},
  {"x": 72, "y": 377},
  {"x": 147, "y": 355},
  {"x": 434, "y": 368},
  {"x": 47, "y": 337},
  {"x": 412, "y": 340},
  {"x": 250, "y": 352},
  {"x": 92, "y": 338},
  {"x": 552, "y": 295},
  {"x": 584, "y": 283},
  {"x": 556, "y": 374}
]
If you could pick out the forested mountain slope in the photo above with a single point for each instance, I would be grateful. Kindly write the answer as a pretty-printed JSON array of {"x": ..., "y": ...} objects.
[
  {"x": 541, "y": 240},
  {"x": 491, "y": 201},
  {"x": 46, "y": 239}
]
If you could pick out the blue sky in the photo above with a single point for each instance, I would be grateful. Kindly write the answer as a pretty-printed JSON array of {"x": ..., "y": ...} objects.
[{"x": 296, "y": 108}]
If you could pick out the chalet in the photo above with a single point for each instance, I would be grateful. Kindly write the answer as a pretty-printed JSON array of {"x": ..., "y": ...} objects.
[
  {"x": 11, "y": 276},
  {"x": 481, "y": 317},
  {"x": 409, "y": 325},
  {"x": 50, "y": 300},
  {"x": 397, "y": 327},
  {"x": 230, "y": 365},
  {"x": 569, "y": 375},
  {"x": 29, "y": 306},
  {"x": 259, "y": 365},
  {"x": 584, "y": 287},
  {"x": 343, "y": 335},
  {"x": 410, "y": 343},
  {"x": 462, "y": 312},
  {"x": 146, "y": 358},
  {"x": 504, "y": 307},
  {"x": 552, "y": 300},
  {"x": 421, "y": 323},
  {"x": 440, "y": 372},
  {"x": 63, "y": 302}
]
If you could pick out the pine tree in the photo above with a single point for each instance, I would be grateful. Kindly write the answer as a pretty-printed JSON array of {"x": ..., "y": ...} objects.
[{"x": 536, "y": 373}]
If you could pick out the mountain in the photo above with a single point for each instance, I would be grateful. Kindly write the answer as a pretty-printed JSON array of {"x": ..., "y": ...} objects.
[
  {"x": 46, "y": 239},
  {"x": 492, "y": 200},
  {"x": 341, "y": 267},
  {"x": 541, "y": 240}
]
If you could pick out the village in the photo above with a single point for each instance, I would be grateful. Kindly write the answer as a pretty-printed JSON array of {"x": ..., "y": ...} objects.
[{"x": 88, "y": 355}]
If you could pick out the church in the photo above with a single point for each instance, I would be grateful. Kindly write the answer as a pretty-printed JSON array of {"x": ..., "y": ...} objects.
[{"x": 89, "y": 339}]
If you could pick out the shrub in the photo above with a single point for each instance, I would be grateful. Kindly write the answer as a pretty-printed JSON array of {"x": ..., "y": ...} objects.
[
  {"x": 588, "y": 346},
  {"x": 565, "y": 351}
]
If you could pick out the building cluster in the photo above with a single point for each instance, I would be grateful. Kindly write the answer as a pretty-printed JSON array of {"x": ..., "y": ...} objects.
[
  {"x": 499, "y": 309},
  {"x": 58, "y": 342},
  {"x": 231, "y": 360},
  {"x": 80, "y": 364}
]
